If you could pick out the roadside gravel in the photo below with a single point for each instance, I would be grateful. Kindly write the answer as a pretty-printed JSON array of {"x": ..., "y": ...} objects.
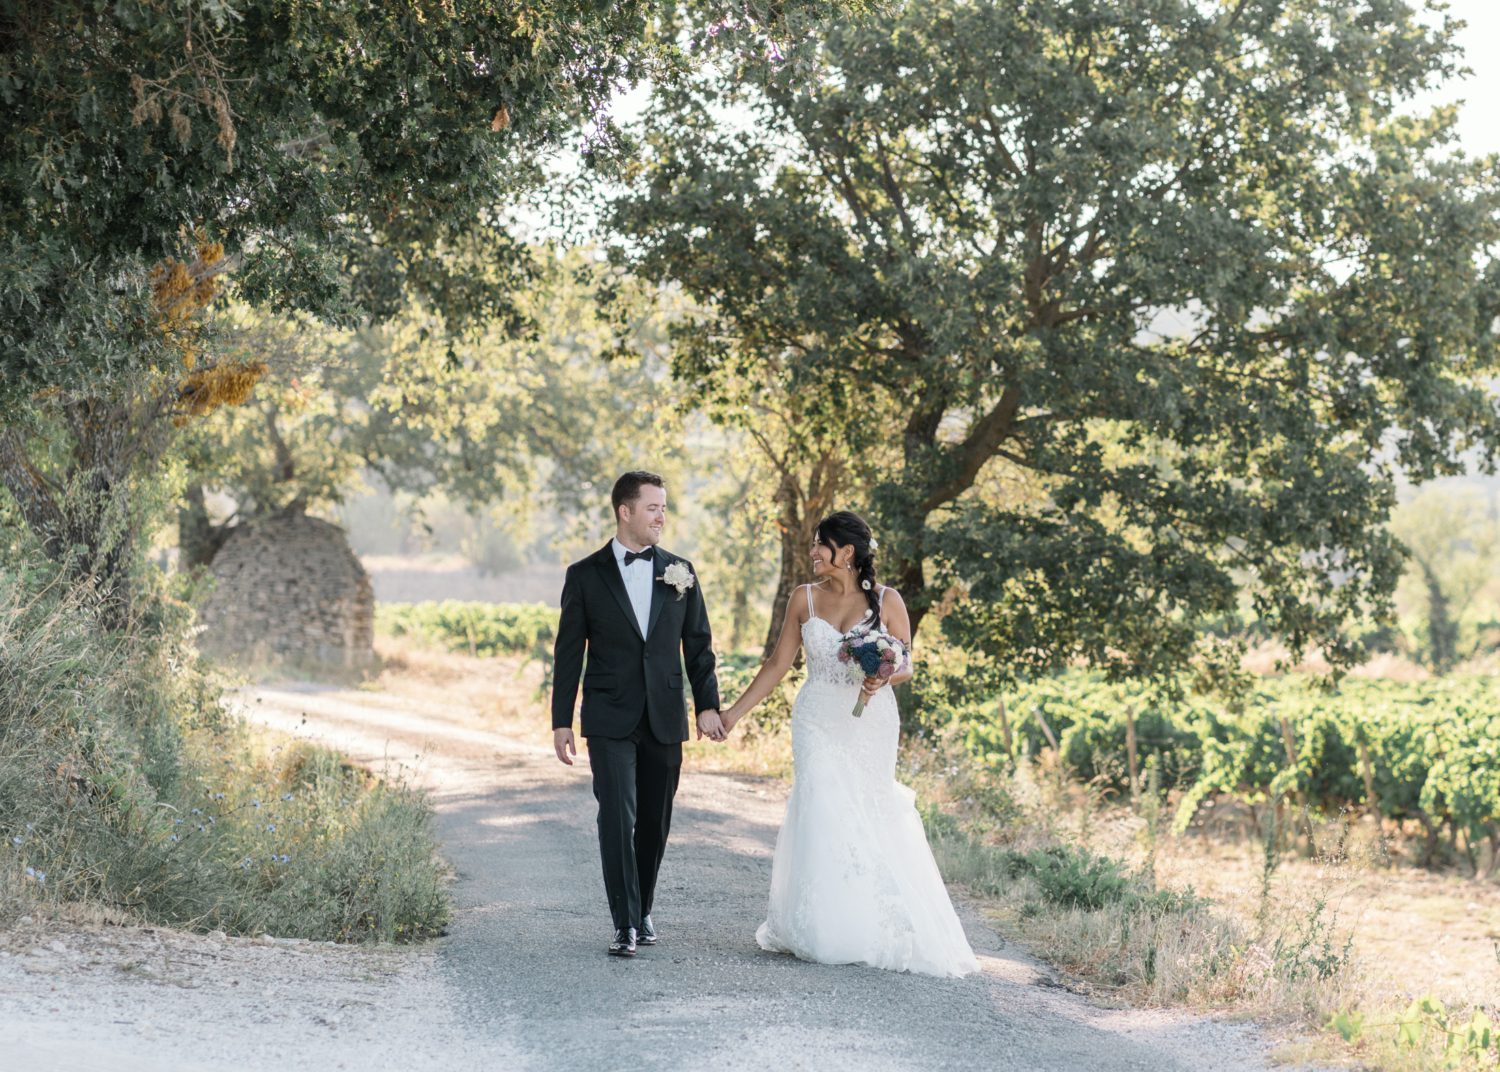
[{"x": 523, "y": 982}]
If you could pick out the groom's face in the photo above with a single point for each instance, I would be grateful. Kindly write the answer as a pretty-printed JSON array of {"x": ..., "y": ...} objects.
[{"x": 642, "y": 520}]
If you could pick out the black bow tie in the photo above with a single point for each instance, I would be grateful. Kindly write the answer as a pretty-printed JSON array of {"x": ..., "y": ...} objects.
[{"x": 631, "y": 556}]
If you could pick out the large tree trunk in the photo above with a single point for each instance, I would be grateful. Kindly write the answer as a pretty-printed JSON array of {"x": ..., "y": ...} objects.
[
  {"x": 1442, "y": 630},
  {"x": 803, "y": 504},
  {"x": 198, "y": 538},
  {"x": 911, "y": 582},
  {"x": 83, "y": 518}
]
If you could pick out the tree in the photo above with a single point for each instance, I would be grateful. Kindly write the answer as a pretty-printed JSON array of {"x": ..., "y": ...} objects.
[
  {"x": 806, "y": 431},
  {"x": 489, "y": 418},
  {"x": 333, "y": 148},
  {"x": 1451, "y": 539},
  {"x": 975, "y": 218},
  {"x": 78, "y": 498},
  {"x": 338, "y": 153}
]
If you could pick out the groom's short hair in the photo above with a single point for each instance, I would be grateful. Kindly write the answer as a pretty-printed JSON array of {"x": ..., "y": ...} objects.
[{"x": 628, "y": 489}]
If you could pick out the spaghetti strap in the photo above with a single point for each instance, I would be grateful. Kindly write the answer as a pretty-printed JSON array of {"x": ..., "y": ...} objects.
[
  {"x": 808, "y": 589},
  {"x": 883, "y": 590}
]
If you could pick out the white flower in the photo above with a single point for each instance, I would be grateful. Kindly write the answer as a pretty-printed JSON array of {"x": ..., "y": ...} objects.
[{"x": 679, "y": 577}]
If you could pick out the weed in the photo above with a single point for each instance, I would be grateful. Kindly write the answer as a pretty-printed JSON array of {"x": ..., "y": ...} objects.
[{"x": 125, "y": 784}]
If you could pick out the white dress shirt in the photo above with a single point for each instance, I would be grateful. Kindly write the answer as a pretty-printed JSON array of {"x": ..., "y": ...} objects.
[{"x": 639, "y": 576}]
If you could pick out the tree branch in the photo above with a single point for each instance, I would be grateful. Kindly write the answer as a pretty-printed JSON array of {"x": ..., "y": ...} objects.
[
  {"x": 992, "y": 430},
  {"x": 33, "y": 493}
]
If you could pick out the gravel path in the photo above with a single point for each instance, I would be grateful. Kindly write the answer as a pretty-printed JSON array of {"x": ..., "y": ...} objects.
[{"x": 523, "y": 982}]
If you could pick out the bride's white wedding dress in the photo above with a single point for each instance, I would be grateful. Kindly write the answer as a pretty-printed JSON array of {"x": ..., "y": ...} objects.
[{"x": 854, "y": 881}]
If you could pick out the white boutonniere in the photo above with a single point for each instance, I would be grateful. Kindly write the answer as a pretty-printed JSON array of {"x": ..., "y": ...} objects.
[{"x": 679, "y": 577}]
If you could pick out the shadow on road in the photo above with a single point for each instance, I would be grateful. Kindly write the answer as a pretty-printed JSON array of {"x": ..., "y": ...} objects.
[{"x": 527, "y": 954}]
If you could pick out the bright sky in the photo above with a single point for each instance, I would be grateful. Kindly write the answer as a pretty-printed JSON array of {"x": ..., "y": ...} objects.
[{"x": 1479, "y": 119}]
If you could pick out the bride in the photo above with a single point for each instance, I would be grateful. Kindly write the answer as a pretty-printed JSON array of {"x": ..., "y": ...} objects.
[{"x": 853, "y": 880}]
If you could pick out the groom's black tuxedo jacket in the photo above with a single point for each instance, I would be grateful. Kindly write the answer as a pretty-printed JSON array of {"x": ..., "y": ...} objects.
[{"x": 626, "y": 671}]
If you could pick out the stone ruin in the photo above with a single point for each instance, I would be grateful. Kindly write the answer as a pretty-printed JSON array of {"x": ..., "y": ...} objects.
[{"x": 289, "y": 590}]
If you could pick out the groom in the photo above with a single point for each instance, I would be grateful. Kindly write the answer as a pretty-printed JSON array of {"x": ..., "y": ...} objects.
[{"x": 639, "y": 613}]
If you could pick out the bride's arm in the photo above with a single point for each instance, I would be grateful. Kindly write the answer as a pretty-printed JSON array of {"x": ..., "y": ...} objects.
[
  {"x": 897, "y": 622},
  {"x": 774, "y": 668}
]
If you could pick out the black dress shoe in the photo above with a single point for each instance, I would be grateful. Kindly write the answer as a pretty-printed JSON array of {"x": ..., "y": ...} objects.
[
  {"x": 647, "y": 933},
  {"x": 624, "y": 943}
]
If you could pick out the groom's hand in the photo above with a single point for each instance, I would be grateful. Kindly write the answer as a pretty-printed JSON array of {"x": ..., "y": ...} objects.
[
  {"x": 710, "y": 726},
  {"x": 562, "y": 741}
]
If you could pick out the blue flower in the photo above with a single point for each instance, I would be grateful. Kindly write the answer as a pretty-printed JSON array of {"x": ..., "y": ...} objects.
[
  {"x": 256, "y": 803},
  {"x": 197, "y": 811},
  {"x": 270, "y": 830},
  {"x": 287, "y": 797},
  {"x": 174, "y": 837},
  {"x": 203, "y": 828},
  {"x": 31, "y": 871},
  {"x": 16, "y": 840}
]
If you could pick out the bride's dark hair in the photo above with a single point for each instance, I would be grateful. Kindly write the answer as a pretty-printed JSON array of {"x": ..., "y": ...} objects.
[{"x": 845, "y": 529}]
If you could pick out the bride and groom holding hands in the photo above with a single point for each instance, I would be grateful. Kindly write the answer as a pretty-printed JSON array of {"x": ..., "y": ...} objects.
[{"x": 853, "y": 880}]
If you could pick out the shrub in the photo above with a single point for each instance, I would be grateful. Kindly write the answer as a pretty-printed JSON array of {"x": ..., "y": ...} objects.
[
  {"x": 125, "y": 783},
  {"x": 1074, "y": 878},
  {"x": 1415, "y": 750},
  {"x": 735, "y": 672},
  {"x": 481, "y": 629}
]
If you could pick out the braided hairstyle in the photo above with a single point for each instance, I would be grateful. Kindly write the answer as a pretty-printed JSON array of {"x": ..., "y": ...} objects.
[{"x": 845, "y": 529}]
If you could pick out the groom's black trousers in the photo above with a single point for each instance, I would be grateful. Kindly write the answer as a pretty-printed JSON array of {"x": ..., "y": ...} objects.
[{"x": 635, "y": 779}]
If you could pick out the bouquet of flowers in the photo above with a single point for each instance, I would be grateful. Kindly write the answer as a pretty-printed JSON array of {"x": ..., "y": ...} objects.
[{"x": 871, "y": 653}]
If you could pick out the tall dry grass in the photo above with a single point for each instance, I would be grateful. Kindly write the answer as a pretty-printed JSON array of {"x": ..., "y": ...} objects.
[
  {"x": 1069, "y": 872},
  {"x": 125, "y": 785}
]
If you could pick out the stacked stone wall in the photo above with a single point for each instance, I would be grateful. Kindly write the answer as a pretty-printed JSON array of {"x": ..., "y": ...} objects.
[{"x": 289, "y": 590}]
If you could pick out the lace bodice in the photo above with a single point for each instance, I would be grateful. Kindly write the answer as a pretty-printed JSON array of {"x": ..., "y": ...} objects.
[
  {"x": 821, "y": 641},
  {"x": 820, "y": 644}
]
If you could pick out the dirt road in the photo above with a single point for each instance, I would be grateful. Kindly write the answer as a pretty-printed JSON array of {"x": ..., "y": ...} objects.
[{"x": 523, "y": 981}]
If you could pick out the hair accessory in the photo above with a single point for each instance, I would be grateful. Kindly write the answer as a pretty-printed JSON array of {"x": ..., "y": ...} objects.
[
  {"x": 874, "y": 544},
  {"x": 865, "y": 585}
]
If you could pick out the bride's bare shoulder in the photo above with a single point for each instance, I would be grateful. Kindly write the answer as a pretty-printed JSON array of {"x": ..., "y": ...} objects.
[{"x": 890, "y": 596}]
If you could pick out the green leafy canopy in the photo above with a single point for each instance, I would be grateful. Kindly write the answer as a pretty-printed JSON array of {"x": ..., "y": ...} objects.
[
  {"x": 322, "y": 141},
  {"x": 978, "y": 217}
]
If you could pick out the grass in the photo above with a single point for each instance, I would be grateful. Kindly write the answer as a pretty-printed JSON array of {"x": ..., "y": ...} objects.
[
  {"x": 126, "y": 789},
  {"x": 1075, "y": 879},
  {"x": 1358, "y": 960}
]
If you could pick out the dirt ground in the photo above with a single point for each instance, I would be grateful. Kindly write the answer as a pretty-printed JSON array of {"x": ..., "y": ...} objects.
[{"x": 1415, "y": 932}]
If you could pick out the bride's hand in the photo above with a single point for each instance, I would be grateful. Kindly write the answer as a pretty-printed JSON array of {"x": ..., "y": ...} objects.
[
  {"x": 871, "y": 686},
  {"x": 730, "y": 717}
]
